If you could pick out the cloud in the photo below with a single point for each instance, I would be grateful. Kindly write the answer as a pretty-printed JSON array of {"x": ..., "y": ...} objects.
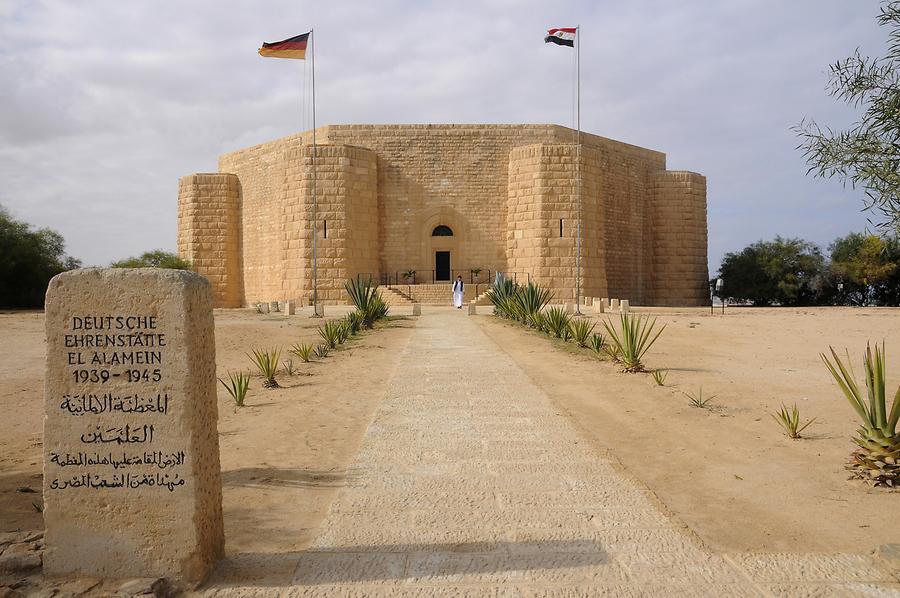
[{"x": 103, "y": 105}]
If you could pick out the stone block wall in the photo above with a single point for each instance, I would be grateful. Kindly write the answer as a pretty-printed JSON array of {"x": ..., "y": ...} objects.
[
  {"x": 209, "y": 229},
  {"x": 679, "y": 231}
]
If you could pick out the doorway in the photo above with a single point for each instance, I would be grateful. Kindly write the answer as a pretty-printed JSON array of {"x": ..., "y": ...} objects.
[{"x": 442, "y": 266}]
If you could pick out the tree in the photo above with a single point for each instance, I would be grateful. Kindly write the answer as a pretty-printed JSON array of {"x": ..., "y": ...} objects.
[
  {"x": 864, "y": 265},
  {"x": 782, "y": 272},
  {"x": 867, "y": 154},
  {"x": 28, "y": 260},
  {"x": 154, "y": 259}
]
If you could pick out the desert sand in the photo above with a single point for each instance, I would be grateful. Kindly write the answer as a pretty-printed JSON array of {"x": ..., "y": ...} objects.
[{"x": 728, "y": 473}]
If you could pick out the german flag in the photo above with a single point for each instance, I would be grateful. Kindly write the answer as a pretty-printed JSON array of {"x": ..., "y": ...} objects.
[{"x": 294, "y": 47}]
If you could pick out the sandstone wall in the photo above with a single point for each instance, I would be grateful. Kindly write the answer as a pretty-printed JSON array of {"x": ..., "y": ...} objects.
[
  {"x": 209, "y": 229},
  {"x": 679, "y": 231}
]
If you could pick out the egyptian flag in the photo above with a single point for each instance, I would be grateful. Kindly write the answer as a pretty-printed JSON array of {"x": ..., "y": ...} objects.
[
  {"x": 564, "y": 36},
  {"x": 294, "y": 47}
]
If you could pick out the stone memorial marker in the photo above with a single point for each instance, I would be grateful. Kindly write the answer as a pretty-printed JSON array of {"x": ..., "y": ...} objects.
[
  {"x": 598, "y": 305},
  {"x": 417, "y": 309},
  {"x": 132, "y": 485},
  {"x": 472, "y": 309},
  {"x": 614, "y": 305}
]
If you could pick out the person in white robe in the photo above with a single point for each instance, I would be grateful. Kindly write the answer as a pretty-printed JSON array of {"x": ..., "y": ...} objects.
[{"x": 458, "y": 292}]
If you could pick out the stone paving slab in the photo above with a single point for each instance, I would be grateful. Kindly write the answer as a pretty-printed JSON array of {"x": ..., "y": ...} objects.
[{"x": 470, "y": 483}]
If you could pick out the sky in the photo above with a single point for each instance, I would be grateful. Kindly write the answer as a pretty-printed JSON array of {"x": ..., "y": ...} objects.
[{"x": 105, "y": 104}]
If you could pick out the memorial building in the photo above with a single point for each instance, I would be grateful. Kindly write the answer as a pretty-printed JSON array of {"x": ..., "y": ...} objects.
[{"x": 446, "y": 200}]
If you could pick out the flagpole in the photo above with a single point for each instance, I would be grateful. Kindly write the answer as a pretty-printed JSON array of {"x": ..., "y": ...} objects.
[
  {"x": 578, "y": 166},
  {"x": 315, "y": 233}
]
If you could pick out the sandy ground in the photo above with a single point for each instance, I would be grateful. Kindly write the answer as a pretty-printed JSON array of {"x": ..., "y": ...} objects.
[
  {"x": 283, "y": 454},
  {"x": 729, "y": 472}
]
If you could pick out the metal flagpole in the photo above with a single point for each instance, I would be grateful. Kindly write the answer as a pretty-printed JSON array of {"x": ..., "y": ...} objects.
[
  {"x": 578, "y": 167},
  {"x": 315, "y": 233}
]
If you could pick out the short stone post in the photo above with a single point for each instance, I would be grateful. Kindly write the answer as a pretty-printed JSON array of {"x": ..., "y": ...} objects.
[
  {"x": 613, "y": 305},
  {"x": 417, "y": 309},
  {"x": 598, "y": 305},
  {"x": 623, "y": 306},
  {"x": 263, "y": 307},
  {"x": 132, "y": 485},
  {"x": 472, "y": 309},
  {"x": 288, "y": 307},
  {"x": 274, "y": 306},
  {"x": 605, "y": 302}
]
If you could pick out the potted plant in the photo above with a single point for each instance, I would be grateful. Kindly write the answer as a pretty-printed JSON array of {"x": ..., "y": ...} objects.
[
  {"x": 410, "y": 276},
  {"x": 475, "y": 272}
]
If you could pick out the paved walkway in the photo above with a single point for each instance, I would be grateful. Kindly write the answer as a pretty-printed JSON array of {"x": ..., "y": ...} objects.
[{"x": 469, "y": 483}]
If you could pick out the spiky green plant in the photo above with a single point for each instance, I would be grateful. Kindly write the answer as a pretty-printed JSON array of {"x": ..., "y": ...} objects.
[
  {"x": 877, "y": 459},
  {"x": 500, "y": 295},
  {"x": 303, "y": 351},
  {"x": 355, "y": 321},
  {"x": 556, "y": 320},
  {"x": 597, "y": 343},
  {"x": 237, "y": 385},
  {"x": 322, "y": 351},
  {"x": 330, "y": 333},
  {"x": 343, "y": 331},
  {"x": 789, "y": 420},
  {"x": 368, "y": 300},
  {"x": 698, "y": 400},
  {"x": 266, "y": 361},
  {"x": 633, "y": 338},
  {"x": 581, "y": 330},
  {"x": 538, "y": 322},
  {"x": 529, "y": 301},
  {"x": 288, "y": 366},
  {"x": 659, "y": 376}
]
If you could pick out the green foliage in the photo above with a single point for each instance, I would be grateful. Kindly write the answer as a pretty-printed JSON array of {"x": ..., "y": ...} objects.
[
  {"x": 613, "y": 351},
  {"x": 632, "y": 339},
  {"x": 878, "y": 457},
  {"x": 867, "y": 267},
  {"x": 331, "y": 333},
  {"x": 237, "y": 385},
  {"x": 556, "y": 321},
  {"x": 659, "y": 376},
  {"x": 597, "y": 343},
  {"x": 154, "y": 259},
  {"x": 303, "y": 351},
  {"x": 266, "y": 361},
  {"x": 322, "y": 351},
  {"x": 288, "y": 366},
  {"x": 368, "y": 300},
  {"x": 698, "y": 400},
  {"x": 866, "y": 154},
  {"x": 789, "y": 420},
  {"x": 500, "y": 295},
  {"x": 355, "y": 321},
  {"x": 28, "y": 260},
  {"x": 783, "y": 272},
  {"x": 581, "y": 330}
]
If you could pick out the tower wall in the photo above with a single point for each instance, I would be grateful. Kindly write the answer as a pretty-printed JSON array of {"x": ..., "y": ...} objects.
[
  {"x": 680, "y": 268},
  {"x": 209, "y": 229}
]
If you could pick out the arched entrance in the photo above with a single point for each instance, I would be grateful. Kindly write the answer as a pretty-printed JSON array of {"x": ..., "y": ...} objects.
[{"x": 443, "y": 270}]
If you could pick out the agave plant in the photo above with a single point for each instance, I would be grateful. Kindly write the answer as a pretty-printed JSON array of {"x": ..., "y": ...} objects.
[
  {"x": 878, "y": 457},
  {"x": 355, "y": 321},
  {"x": 613, "y": 351},
  {"x": 303, "y": 351},
  {"x": 557, "y": 322},
  {"x": 597, "y": 342},
  {"x": 288, "y": 366},
  {"x": 368, "y": 300},
  {"x": 581, "y": 330},
  {"x": 659, "y": 376},
  {"x": 267, "y": 364},
  {"x": 237, "y": 385},
  {"x": 633, "y": 339},
  {"x": 530, "y": 300},
  {"x": 322, "y": 351},
  {"x": 330, "y": 333},
  {"x": 698, "y": 400},
  {"x": 789, "y": 420},
  {"x": 500, "y": 295},
  {"x": 343, "y": 331}
]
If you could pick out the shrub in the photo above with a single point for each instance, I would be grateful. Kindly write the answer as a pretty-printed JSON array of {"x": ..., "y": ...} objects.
[
  {"x": 597, "y": 343},
  {"x": 237, "y": 385},
  {"x": 303, "y": 351},
  {"x": 789, "y": 420},
  {"x": 330, "y": 333},
  {"x": 267, "y": 364},
  {"x": 288, "y": 367},
  {"x": 633, "y": 339},
  {"x": 878, "y": 458},
  {"x": 355, "y": 321},
  {"x": 368, "y": 300},
  {"x": 557, "y": 322},
  {"x": 322, "y": 351},
  {"x": 581, "y": 330},
  {"x": 154, "y": 259}
]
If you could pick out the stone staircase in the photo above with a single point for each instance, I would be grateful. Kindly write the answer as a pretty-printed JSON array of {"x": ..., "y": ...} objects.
[
  {"x": 430, "y": 294},
  {"x": 394, "y": 297}
]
